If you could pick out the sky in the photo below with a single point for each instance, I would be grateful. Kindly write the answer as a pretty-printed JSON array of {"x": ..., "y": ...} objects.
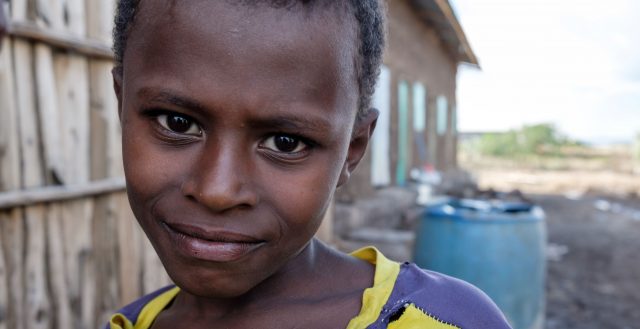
[{"x": 573, "y": 63}]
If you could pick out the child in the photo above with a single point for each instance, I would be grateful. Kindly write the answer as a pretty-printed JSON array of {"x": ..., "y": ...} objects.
[{"x": 239, "y": 120}]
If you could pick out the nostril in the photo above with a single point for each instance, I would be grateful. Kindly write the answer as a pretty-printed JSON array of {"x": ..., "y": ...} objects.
[
  {"x": 220, "y": 197},
  {"x": 244, "y": 206},
  {"x": 189, "y": 191}
]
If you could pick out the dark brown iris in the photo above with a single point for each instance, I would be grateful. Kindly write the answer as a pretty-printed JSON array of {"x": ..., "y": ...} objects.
[
  {"x": 178, "y": 123},
  {"x": 286, "y": 143}
]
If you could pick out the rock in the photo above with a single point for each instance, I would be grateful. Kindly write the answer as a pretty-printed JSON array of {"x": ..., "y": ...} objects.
[
  {"x": 394, "y": 244},
  {"x": 385, "y": 210}
]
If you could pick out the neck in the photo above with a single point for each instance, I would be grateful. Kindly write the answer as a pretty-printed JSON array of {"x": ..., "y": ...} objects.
[{"x": 289, "y": 284}]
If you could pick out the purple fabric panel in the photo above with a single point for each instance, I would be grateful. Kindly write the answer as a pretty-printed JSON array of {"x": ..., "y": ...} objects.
[
  {"x": 132, "y": 310},
  {"x": 445, "y": 298}
]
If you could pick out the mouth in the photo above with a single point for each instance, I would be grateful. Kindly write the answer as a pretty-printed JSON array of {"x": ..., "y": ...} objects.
[{"x": 211, "y": 245}]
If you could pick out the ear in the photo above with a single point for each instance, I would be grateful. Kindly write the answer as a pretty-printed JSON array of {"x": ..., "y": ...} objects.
[
  {"x": 362, "y": 131},
  {"x": 117, "y": 87}
]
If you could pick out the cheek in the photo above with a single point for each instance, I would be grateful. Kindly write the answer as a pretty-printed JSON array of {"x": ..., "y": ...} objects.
[
  {"x": 150, "y": 173},
  {"x": 304, "y": 196}
]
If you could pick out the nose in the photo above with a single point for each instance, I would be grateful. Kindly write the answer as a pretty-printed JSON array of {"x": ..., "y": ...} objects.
[{"x": 221, "y": 179}]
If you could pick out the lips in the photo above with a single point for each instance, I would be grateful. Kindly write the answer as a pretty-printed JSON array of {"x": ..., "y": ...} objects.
[{"x": 211, "y": 245}]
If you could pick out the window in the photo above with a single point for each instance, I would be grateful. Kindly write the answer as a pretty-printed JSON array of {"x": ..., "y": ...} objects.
[
  {"x": 403, "y": 132},
  {"x": 380, "y": 166},
  {"x": 454, "y": 119},
  {"x": 419, "y": 107},
  {"x": 442, "y": 119}
]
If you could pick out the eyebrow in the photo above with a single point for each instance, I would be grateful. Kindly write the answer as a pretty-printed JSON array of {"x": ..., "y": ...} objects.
[
  {"x": 292, "y": 122},
  {"x": 279, "y": 121},
  {"x": 166, "y": 96}
]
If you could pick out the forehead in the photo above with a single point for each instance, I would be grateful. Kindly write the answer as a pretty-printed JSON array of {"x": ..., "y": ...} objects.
[{"x": 307, "y": 49}]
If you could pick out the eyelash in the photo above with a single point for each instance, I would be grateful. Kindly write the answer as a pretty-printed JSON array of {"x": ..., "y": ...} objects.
[
  {"x": 308, "y": 145},
  {"x": 183, "y": 138},
  {"x": 166, "y": 133}
]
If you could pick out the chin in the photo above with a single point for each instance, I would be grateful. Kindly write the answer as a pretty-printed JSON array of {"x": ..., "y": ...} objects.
[
  {"x": 211, "y": 287},
  {"x": 211, "y": 280}
]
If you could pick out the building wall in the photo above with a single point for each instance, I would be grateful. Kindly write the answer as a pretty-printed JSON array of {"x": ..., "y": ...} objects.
[{"x": 414, "y": 53}]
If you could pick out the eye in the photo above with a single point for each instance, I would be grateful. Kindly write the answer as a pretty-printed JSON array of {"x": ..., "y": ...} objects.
[
  {"x": 284, "y": 144},
  {"x": 179, "y": 124}
]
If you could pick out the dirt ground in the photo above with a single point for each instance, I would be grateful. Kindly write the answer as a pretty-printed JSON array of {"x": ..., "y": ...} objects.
[
  {"x": 594, "y": 244},
  {"x": 594, "y": 267}
]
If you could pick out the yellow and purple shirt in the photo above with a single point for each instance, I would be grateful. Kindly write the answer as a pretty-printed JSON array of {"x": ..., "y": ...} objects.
[{"x": 403, "y": 296}]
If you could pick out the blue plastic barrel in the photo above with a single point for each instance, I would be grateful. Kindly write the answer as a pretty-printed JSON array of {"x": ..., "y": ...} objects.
[{"x": 498, "y": 247}]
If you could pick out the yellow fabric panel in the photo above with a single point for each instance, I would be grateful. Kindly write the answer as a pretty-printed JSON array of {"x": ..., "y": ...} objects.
[
  {"x": 375, "y": 297},
  {"x": 148, "y": 314},
  {"x": 119, "y": 321},
  {"x": 413, "y": 318}
]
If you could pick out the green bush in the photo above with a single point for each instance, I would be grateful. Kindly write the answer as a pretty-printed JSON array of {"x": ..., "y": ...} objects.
[{"x": 539, "y": 139}]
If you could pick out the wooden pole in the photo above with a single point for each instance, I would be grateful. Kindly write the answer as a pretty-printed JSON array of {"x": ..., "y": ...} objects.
[
  {"x": 12, "y": 239},
  {"x": 80, "y": 45},
  {"x": 48, "y": 112},
  {"x": 73, "y": 95},
  {"x": 57, "y": 270},
  {"x": 38, "y": 313},
  {"x": 106, "y": 161},
  {"x": 11, "y": 224},
  {"x": 51, "y": 194},
  {"x": 130, "y": 238}
]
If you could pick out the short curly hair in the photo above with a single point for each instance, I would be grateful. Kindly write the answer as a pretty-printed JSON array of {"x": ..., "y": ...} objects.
[{"x": 369, "y": 15}]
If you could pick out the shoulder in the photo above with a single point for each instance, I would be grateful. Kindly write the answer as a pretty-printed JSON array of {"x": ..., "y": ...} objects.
[
  {"x": 446, "y": 299},
  {"x": 129, "y": 315}
]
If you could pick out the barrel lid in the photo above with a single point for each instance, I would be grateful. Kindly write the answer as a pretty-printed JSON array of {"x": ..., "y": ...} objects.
[{"x": 474, "y": 209}]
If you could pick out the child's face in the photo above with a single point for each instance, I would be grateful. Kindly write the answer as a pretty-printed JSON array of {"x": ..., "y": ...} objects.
[{"x": 237, "y": 127}]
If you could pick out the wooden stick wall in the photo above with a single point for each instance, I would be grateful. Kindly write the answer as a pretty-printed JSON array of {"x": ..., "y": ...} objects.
[{"x": 69, "y": 261}]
